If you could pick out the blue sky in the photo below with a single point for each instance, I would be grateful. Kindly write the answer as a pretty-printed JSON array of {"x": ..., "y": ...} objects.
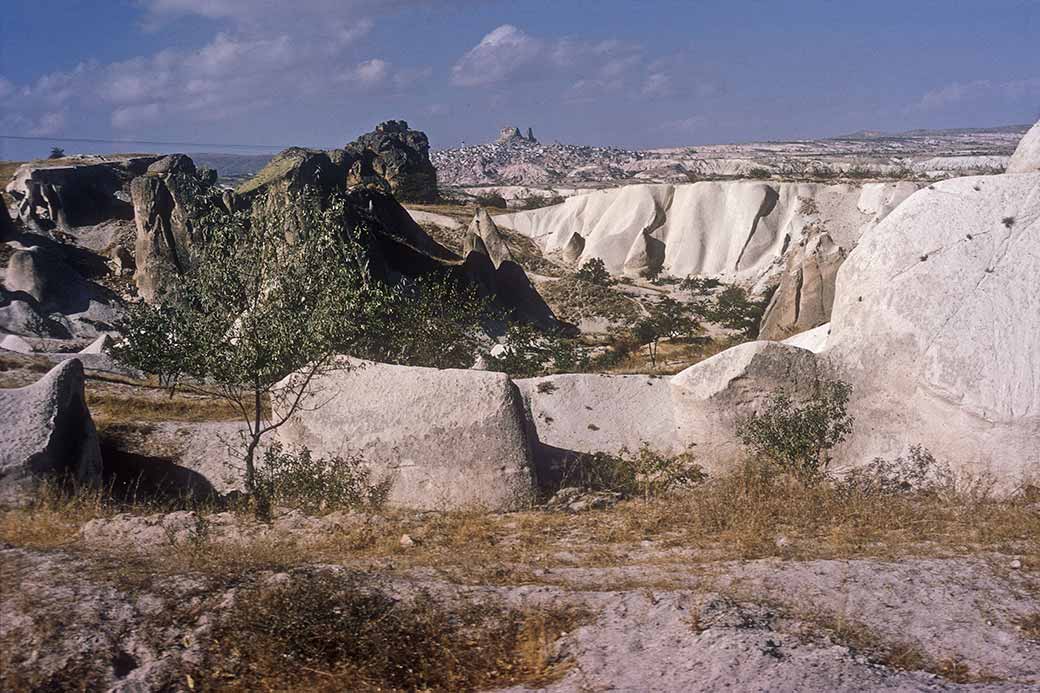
[{"x": 634, "y": 73}]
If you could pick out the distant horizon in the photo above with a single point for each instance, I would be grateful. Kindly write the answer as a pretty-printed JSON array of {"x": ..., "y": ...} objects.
[
  {"x": 648, "y": 75},
  {"x": 45, "y": 144}
]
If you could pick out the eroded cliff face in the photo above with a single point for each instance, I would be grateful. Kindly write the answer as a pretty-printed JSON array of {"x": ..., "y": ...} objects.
[{"x": 75, "y": 191}]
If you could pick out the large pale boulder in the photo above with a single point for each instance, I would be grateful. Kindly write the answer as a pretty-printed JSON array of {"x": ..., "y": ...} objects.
[
  {"x": 588, "y": 413},
  {"x": 711, "y": 397},
  {"x": 936, "y": 324},
  {"x": 1026, "y": 158},
  {"x": 47, "y": 430},
  {"x": 449, "y": 439}
]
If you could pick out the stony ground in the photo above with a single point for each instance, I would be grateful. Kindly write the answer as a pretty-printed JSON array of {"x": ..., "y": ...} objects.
[{"x": 131, "y": 601}]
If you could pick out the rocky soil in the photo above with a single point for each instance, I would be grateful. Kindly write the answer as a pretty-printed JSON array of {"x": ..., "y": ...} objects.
[{"x": 130, "y": 602}]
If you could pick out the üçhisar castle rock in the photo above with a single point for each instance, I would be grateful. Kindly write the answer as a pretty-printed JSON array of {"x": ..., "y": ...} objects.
[{"x": 394, "y": 158}]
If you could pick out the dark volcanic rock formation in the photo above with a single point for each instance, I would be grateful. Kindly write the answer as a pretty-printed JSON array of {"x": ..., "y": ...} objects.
[
  {"x": 398, "y": 246},
  {"x": 76, "y": 191},
  {"x": 392, "y": 158}
]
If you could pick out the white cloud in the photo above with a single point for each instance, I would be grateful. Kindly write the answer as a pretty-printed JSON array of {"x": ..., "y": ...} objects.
[
  {"x": 684, "y": 125},
  {"x": 134, "y": 116},
  {"x": 500, "y": 55},
  {"x": 264, "y": 57},
  {"x": 657, "y": 85},
  {"x": 508, "y": 55}
]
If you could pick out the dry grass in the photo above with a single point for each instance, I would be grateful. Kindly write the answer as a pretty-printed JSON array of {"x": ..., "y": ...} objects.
[
  {"x": 673, "y": 356},
  {"x": 325, "y": 631},
  {"x": 114, "y": 405},
  {"x": 742, "y": 515}
]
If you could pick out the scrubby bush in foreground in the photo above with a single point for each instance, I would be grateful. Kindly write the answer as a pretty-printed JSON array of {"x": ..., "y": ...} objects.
[{"x": 796, "y": 437}]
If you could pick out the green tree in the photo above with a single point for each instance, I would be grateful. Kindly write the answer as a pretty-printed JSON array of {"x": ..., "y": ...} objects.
[
  {"x": 666, "y": 319},
  {"x": 594, "y": 271},
  {"x": 56, "y": 153},
  {"x": 797, "y": 437},
  {"x": 258, "y": 318},
  {"x": 528, "y": 352},
  {"x": 735, "y": 309},
  {"x": 434, "y": 321}
]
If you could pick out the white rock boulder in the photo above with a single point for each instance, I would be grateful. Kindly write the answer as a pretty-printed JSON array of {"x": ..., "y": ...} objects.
[
  {"x": 47, "y": 430},
  {"x": 1026, "y": 158},
  {"x": 936, "y": 324},
  {"x": 450, "y": 439},
  {"x": 588, "y": 413},
  {"x": 711, "y": 397}
]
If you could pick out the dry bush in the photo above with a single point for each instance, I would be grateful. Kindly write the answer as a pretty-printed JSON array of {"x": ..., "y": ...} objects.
[{"x": 329, "y": 631}]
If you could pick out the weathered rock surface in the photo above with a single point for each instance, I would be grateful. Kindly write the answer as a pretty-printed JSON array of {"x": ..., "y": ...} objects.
[
  {"x": 935, "y": 325},
  {"x": 75, "y": 191},
  {"x": 739, "y": 230},
  {"x": 395, "y": 156},
  {"x": 483, "y": 228},
  {"x": 588, "y": 413},
  {"x": 161, "y": 200},
  {"x": 1026, "y": 158},
  {"x": 449, "y": 439},
  {"x": 711, "y": 397},
  {"x": 47, "y": 430},
  {"x": 397, "y": 244},
  {"x": 804, "y": 297},
  {"x": 42, "y": 294}
]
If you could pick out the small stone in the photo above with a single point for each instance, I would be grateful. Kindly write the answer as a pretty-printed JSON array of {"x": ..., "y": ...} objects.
[
  {"x": 1016, "y": 564},
  {"x": 407, "y": 542}
]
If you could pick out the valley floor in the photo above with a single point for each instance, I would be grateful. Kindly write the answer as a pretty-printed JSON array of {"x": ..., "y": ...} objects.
[{"x": 674, "y": 594}]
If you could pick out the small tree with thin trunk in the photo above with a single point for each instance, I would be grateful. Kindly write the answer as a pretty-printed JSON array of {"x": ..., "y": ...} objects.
[
  {"x": 666, "y": 318},
  {"x": 269, "y": 300}
]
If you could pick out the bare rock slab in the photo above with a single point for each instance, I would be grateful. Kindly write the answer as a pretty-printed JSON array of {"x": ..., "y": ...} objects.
[
  {"x": 450, "y": 439},
  {"x": 46, "y": 430}
]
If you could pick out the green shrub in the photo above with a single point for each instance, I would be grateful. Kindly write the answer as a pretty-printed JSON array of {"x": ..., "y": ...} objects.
[
  {"x": 796, "y": 437},
  {"x": 529, "y": 352},
  {"x": 313, "y": 484},
  {"x": 594, "y": 271},
  {"x": 735, "y": 309},
  {"x": 916, "y": 474},
  {"x": 699, "y": 285}
]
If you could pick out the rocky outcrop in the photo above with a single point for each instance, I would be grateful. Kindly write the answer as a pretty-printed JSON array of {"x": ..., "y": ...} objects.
[
  {"x": 397, "y": 245},
  {"x": 393, "y": 158},
  {"x": 711, "y": 397},
  {"x": 75, "y": 191},
  {"x": 47, "y": 431},
  {"x": 805, "y": 294},
  {"x": 43, "y": 294},
  {"x": 934, "y": 326},
  {"x": 1026, "y": 158},
  {"x": 483, "y": 233},
  {"x": 739, "y": 230},
  {"x": 449, "y": 439},
  {"x": 163, "y": 199}
]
